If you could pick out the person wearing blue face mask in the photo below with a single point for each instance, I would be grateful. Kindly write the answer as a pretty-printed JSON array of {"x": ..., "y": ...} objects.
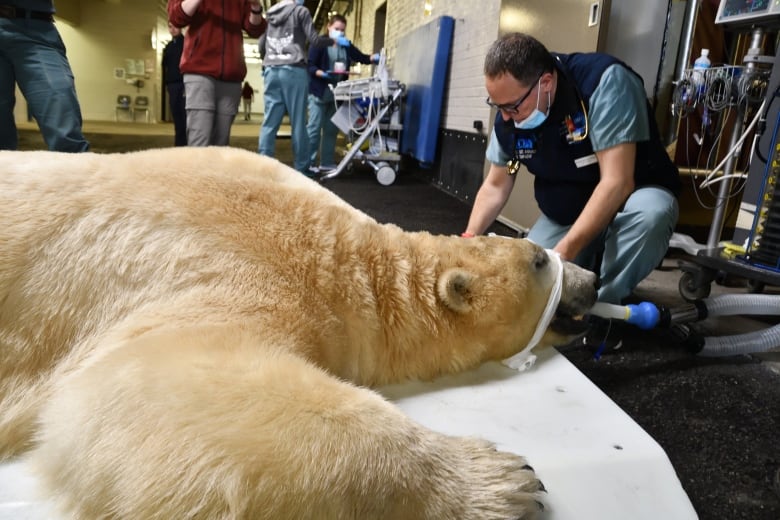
[
  {"x": 582, "y": 125},
  {"x": 328, "y": 66},
  {"x": 286, "y": 78}
]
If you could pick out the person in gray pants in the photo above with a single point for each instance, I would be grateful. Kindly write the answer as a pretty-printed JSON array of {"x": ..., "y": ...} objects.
[{"x": 212, "y": 62}]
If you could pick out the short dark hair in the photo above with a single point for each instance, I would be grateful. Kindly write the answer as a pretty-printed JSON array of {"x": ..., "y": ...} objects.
[
  {"x": 518, "y": 54},
  {"x": 336, "y": 18}
]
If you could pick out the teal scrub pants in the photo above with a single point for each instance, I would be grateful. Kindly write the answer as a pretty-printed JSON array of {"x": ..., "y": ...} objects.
[
  {"x": 285, "y": 90},
  {"x": 322, "y": 132},
  {"x": 629, "y": 249}
]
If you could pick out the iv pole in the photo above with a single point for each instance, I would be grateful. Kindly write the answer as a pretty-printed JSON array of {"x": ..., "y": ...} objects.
[{"x": 719, "y": 216}]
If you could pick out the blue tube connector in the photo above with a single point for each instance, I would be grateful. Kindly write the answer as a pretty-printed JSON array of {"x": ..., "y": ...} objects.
[{"x": 644, "y": 315}]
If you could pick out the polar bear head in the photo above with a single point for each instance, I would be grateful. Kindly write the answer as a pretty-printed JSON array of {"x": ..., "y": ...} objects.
[{"x": 498, "y": 289}]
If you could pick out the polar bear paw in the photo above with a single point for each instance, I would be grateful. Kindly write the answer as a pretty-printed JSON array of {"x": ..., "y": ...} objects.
[{"x": 496, "y": 485}]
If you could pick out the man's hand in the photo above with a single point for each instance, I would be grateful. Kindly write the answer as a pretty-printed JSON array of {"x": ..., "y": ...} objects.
[
  {"x": 490, "y": 199},
  {"x": 617, "y": 183},
  {"x": 190, "y": 6}
]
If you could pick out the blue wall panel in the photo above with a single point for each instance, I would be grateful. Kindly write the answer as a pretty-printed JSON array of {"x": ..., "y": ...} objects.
[{"x": 421, "y": 63}]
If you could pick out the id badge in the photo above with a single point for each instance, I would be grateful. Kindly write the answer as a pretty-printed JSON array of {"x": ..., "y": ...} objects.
[{"x": 582, "y": 162}]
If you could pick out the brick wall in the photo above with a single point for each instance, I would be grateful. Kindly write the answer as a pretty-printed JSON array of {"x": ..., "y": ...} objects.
[{"x": 476, "y": 27}]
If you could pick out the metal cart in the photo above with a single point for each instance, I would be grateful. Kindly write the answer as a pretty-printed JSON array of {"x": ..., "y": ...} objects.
[
  {"x": 752, "y": 88},
  {"x": 369, "y": 114}
]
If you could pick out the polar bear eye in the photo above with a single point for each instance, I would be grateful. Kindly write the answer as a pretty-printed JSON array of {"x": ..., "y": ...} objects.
[{"x": 541, "y": 260}]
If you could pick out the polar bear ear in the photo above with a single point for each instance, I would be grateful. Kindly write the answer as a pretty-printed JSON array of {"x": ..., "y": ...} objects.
[{"x": 454, "y": 289}]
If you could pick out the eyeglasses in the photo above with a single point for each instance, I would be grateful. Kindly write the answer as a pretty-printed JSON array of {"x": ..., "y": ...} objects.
[{"x": 511, "y": 108}]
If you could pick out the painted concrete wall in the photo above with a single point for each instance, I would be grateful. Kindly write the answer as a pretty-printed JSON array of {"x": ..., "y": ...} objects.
[
  {"x": 100, "y": 36},
  {"x": 107, "y": 36}
]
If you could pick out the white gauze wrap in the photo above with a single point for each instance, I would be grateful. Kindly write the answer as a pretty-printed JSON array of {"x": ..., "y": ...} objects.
[{"x": 524, "y": 360}]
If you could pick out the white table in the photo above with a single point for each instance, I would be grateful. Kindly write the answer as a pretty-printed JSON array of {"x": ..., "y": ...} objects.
[{"x": 594, "y": 460}]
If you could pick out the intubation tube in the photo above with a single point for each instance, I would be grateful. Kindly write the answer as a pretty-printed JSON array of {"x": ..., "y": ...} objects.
[
  {"x": 646, "y": 316},
  {"x": 694, "y": 311},
  {"x": 751, "y": 342},
  {"x": 749, "y": 304}
]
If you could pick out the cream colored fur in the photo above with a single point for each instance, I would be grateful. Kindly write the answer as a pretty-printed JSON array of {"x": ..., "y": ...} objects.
[{"x": 188, "y": 333}]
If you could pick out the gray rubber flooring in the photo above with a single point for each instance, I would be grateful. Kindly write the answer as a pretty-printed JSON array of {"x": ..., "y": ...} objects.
[{"x": 717, "y": 419}]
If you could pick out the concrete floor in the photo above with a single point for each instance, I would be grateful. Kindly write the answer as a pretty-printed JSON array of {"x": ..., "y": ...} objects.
[{"x": 717, "y": 419}]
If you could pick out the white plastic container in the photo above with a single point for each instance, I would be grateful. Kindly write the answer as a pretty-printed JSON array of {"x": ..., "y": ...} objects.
[{"x": 700, "y": 67}]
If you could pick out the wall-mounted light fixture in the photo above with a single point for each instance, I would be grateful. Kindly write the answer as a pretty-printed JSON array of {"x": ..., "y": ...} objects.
[{"x": 427, "y": 7}]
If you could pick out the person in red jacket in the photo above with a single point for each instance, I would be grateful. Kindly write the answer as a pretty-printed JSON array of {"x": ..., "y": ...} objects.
[{"x": 213, "y": 62}]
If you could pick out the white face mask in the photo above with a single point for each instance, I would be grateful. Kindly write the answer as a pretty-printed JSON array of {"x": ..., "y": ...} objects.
[
  {"x": 335, "y": 33},
  {"x": 537, "y": 117}
]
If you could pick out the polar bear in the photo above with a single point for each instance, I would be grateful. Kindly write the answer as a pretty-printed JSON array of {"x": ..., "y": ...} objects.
[{"x": 192, "y": 333}]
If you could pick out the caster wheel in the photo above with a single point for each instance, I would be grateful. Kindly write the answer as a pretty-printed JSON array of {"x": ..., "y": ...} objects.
[
  {"x": 690, "y": 289},
  {"x": 385, "y": 174}
]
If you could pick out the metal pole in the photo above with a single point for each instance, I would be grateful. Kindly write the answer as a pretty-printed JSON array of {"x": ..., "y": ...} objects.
[
  {"x": 718, "y": 217},
  {"x": 684, "y": 55}
]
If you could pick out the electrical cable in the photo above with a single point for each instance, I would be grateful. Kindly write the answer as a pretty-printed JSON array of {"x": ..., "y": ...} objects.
[
  {"x": 693, "y": 176},
  {"x": 738, "y": 144},
  {"x": 762, "y": 124},
  {"x": 717, "y": 94},
  {"x": 745, "y": 170},
  {"x": 722, "y": 178}
]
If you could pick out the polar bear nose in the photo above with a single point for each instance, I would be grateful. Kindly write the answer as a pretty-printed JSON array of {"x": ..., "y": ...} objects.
[{"x": 541, "y": 259}]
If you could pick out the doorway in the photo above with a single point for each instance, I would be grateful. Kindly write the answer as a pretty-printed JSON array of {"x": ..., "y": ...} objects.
[{"x": 379, "y": 27}]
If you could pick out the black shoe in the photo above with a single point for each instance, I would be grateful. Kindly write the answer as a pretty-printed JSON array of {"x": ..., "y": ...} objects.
[
  {"x": 312, "y": 172},
  {"x": 605, "y": 335}
]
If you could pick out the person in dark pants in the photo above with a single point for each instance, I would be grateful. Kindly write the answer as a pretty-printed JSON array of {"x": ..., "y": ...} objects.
[
  {"x": 32, "y": 55},
  {"x": 247, "y": 96},
  {"x": 175, "y": 84}
]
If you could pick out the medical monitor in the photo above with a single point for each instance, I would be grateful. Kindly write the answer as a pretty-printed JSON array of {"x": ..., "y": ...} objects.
[{"x": 748, "y": 12}]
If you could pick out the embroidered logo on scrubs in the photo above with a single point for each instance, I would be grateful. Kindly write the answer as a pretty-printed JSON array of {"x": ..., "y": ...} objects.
[
  {"x": 525, "y": 148},
  {"x": 574, "y": 128}
]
